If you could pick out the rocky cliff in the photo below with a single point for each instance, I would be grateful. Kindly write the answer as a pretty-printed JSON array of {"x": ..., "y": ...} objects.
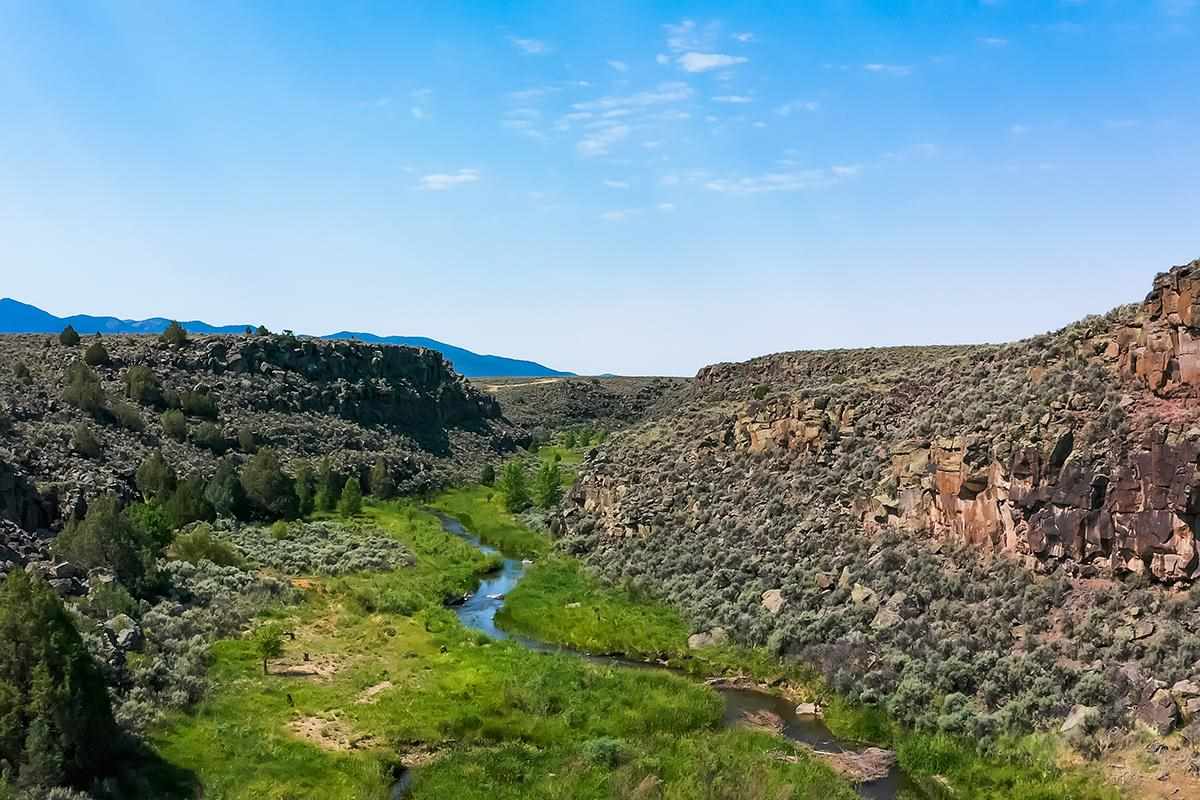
[
  {"x": 306, "y": 398},
  {"x": 1072, "y": 458}
]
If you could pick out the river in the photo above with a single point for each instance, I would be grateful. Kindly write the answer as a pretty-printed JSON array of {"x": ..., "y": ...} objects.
[{"x": 478, "y": 611}]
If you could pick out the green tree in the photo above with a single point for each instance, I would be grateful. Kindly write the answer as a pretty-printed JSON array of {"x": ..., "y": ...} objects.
[
  {"x": 350, "y": 503},
  {"x": 56, "y": 724},
  {"x": 268, "y": 641},
  {"x": 69, "y": 337},
  {"x": 382, "y": 485},
  {"x": 224, "y": 491},
  {"x": 106, "y": 538},
  {"x": 569, "y": 440},
  {"x": 174, "y": 335},
  {"x": 270, "y": 492},
  {"x": 210, "y": 437},
  {"x": 261, "y": 330},
  {"x": 142, "y": 386},
  {"x": 487, "y": 475},
  {"x": 188, "y": 504},
  {"x": 151, "y": 523},
  {"x": 96, "y": 355},
  {"x": 83, "y": 388},
  {"x": 155, "y": 478},
  {"x": 127, "y": 416},
  {"x": 305, "y": 490},
  {"x": 247, "y": 441},
  {"x": 514, "y": 487},
  {"x": 329, "y": 486},
  {"x": 547, "y": 485},
  {"x": 174, "y": 424}
]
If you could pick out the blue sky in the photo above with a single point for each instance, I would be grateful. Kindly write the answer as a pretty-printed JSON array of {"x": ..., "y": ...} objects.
[{"x": 635, "y": 188}]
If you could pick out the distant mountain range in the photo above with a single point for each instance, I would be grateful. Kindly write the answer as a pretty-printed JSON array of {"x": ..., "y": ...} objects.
[{"x": 18, "y": 317}]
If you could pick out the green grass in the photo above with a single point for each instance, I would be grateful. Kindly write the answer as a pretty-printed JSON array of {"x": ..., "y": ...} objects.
[
  {"x": 481, "y": 510},
  {"x": 509, "y": 722}
]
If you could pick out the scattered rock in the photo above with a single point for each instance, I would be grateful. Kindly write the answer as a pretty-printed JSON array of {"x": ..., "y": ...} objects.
[
  {"x": 772, "y": 600},
  {"x": 713, "y": 638}
]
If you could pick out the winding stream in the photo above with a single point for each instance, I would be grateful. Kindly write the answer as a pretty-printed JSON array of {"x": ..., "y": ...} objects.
[{"x": 478, "y": 611}]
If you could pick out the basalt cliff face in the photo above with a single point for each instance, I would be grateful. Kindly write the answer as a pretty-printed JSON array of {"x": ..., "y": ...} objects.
[
  {"x": 857, "y": 490},
  {"x": 305, "y": 398}
]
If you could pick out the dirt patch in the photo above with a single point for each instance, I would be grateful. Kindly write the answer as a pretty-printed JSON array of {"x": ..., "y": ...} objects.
[
  {"x": 420, "y": 755},
  {"x": 331, "y": 734},
  {"x": 1157, "y": 771},
  {"x": 322, "y": 667},
  {"x": 371, "y": 693}
]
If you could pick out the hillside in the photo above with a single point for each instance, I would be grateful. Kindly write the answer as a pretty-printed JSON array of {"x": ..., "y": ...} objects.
[
  {"x": 304, "y": 398},
  {"x": 978, "y": 539},
  {"x": 18, "y": 317}
]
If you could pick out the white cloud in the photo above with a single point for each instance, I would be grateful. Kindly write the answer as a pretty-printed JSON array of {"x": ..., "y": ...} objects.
[
  {"x": 703, "y": 62},
  {"x": 616, "y": 184},
  {"x": 442, "y": 181},
  {"x": 619, "y": 66},
  {"x": 787, "y": 109},
  {"x": 744, "y": 38},
  {"x": 733, "y": 98},
  {"x": 1019, "y": 130},
  {"x": 532, "y": 93},
  {"x": 670, "y": 92},
  {"x": 663, "y": 58},
  {"x": 619, "y": 215},
  {"x": 532, "y": 47},
  {"x": 759, "y": 124},
  {"x": 785, "y": 181},
  {"x": 898, "y": 70},
  {"x": 666, "y": 207},
  {"x": 419, "y": 113},
  {"x": 599, "y": 141},
  {"x": 993, "y": 41},
  {"x": 687, "y": 35},
  {"x": 652, "y": 145}
]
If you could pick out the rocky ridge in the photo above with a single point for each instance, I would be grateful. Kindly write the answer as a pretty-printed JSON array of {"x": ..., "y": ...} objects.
[{"x": 849, "y": 498}]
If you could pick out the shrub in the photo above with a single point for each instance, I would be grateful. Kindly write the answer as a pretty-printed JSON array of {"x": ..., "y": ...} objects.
[
  {"x": 198, "y": 404},
  {"x": 142, "y": 386},
  {"x": 261, "y": 330},
  {"x": 174, "y": 425},
  {"x": 246, "y": 440},
  {"x": 605, "y": 751},
  {"x": 270, "y": 492},
  {"x": 305, "y": 498},
  {"x": 151, "y": 523},
  {"x": 224, "y": 491},
  {"x": 21, "y": 373},
  {"x": 155, "y": 478},
  {"x": 128, "y": 417},
  {"x": 199, "y": 544},
  {"x": 209, "y": 436},
  {"x": 487, "y": 475},
  {"x": 58, "y": 723},
  {"x": 96, "y": 355},
  {"x": 106, "y": 538},
  {"x": 350, "y": 503},
  {"x": 268, "y": 641},
  {"x": 761, "y": 391},
  {"x": 569, "y": 440},
  {"x": 69, "y": 337},
  {"x": 83, "y": 441},
  {"x": 514, "y": 488},
  {"x": 174, "y": 335},
  {"x": 188, "y": 504},
  {"x": 382, "y": 485},
  {"x": 280, "y": 530},
  {"x": 83, "y": 388},
  {"x": 106, "y": 600}
]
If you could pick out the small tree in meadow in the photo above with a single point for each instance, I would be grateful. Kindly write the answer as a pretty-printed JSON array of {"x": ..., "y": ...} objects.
[
  {"x": 547, "y": 486},
  {"x": 174, "y": 335},
  {"x": 382, "y": 485},
  {"x": 514, "y": 487},
  {"x": 350, "y": 504},
  {"x": 268, "y": 641},
  {"x": 69, "y": 337},
  {"x": 487, "y": 475}
]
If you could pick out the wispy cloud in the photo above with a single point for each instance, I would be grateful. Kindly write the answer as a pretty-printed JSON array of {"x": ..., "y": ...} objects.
[
  {"x": 787, "y": 109},
  {"x": 619, "y": 66},
  {"x": 439, "y": 182},
  {"x": 666, "y": 207},
  {"x": 687, "y": 35},
  {"x": 897, "y": 70},
  {"x": 620, "y": 214},
  {"x": 419, "y": 113},
  {"x": 611, "y": 184},
  {"x": 669, "y": 92},
  {"x": 1122, "y": 124},
  {"x": 598, "y": 141},
  {"x": 733, "y": 98},
  {"x": 662, "y": 58},
  {"x": 1178, "y": 8},
  {"x": 744, "y": 38},
  {"x": 784, "y": 181},
  {"x": 703, "y": 62},
  {"x": 532, "y": 47},
  {"x": 1019, "y": 129},
  {"x": 993, "y": 41},
  {"x": 532, "y": 93}
]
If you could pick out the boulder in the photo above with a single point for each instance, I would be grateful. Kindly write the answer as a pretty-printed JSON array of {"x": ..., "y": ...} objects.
[
  {"x": 772, "y": 600},
  {"x": 1079, "y": 719},
  {"x": 826, "y": 581},
  {"x": 886, "y": 618},
  {"x": 864, "y": 596},
  {"x": 808, "y": 710},
  {"x": 713, "y": 638},
  {"x": 1159, "y": 713}
]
